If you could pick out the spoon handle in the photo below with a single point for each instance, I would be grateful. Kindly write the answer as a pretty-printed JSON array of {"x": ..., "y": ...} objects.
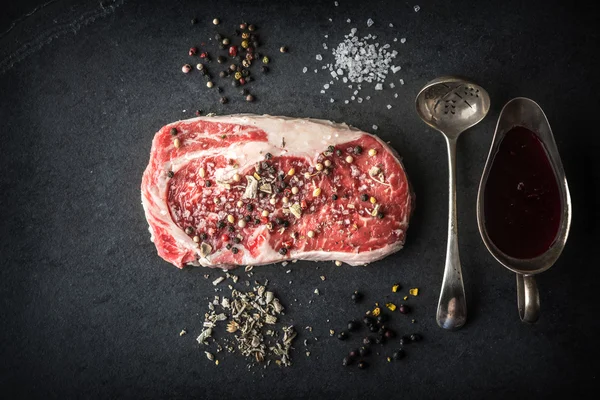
[{"x": 452, "y": 306}]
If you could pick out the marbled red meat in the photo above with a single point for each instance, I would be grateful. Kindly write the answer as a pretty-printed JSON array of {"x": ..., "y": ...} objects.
[{"x": 195, "y": 195}]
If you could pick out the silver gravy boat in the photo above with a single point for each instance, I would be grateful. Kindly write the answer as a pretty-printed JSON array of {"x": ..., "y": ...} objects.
[{"x": 528, "y": 114}]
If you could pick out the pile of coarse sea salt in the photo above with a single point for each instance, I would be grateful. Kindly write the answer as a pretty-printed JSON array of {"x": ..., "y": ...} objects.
[{"x": 359, "y": 61}]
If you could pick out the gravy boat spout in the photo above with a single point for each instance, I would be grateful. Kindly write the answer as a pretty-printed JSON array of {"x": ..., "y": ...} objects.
[{"x": 525, "y": 113}]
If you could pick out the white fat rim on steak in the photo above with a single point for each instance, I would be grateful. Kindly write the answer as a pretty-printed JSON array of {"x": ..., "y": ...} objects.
[{"x": 303, "y": 138}]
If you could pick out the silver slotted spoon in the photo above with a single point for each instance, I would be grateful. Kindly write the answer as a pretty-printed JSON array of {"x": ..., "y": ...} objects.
[{"x": 452, "y": 105}]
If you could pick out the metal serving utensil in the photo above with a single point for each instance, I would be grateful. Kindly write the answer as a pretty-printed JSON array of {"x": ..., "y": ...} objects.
[
  {"x": 528, "y": 114},
  {"x": 452, "y": 105}
]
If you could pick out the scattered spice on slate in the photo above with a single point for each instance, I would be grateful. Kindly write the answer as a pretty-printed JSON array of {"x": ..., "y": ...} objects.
[
  {"x": 250, "y": 98},
  {"x": 283, "y": 49},
  {"x": 223, "y": 100},
  {"x": 170, "y": 174},
  {"x": 403, "y": 309},
  {"x": 356, "y": 296},
  {"x": 362, "y": 364},
  {"x": 343, "y": 335}
]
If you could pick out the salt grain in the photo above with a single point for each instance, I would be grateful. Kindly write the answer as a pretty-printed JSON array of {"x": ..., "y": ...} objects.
[
  {"x": 335, "y": 3},
  {"x": 389, "y": 106},
  {"x": 391, "y": 25},
  {"x": 346, "y": 101},
  {"x": 379, "y": 86},
  {"x": 395, "y": 68},
  {"x": 392, "y": 85},
  {"x": 331, "y": 100},
  {"x": 370, "y": 22},
  {"x": 395, "y": 95},
  {"x": 319, "y": 57},
  {"x": 401, "y": 81},
  {"x": 322, "y": 92},
  {"x": 375, "y": 127},
  {"x": 348, "y": 20},
  {"x": 304, "y": 70},
  {"x": 403, "y": 40},
  {"x": 417, "y": 8},
  {"x": 326, "y": 86}
]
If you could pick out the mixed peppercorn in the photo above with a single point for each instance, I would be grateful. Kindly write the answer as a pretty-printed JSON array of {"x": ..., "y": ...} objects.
[
  {"x": 377, "y": 323},
  {"x": 242, "y": 49}
]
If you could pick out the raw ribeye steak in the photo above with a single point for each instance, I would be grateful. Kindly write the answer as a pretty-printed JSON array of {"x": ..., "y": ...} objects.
[{"x": 249, "y": 190}]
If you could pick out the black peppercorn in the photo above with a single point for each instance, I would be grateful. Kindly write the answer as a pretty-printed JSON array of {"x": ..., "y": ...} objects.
[
  {"x": 286, "y": 224},
  {"x": 228, "y": 246},
  {"x": 353, "y": 353},
  {"x": 398, "y": 354},
  {"x": 231, "y": 228},
  {"x": 221, "y": 59},
  {"x": 247, "y": 218},
  {"x": 268, "y": 156},
  {"x": 353, "y": 326},
  {"x": 235, "y": 250},
  {"x": 222, "y": 46},
  {"x": 170, "y": 174},
  {"x": 346, "y": 361},
  {"x": 404, "y": 340},
  {"x": 367, "y": 341},
  {"x": 218, "y": 37},
  {"x": 207, "y": 183},
  {"x": 334, "y": 197},
  {"x": 219, "y": 89},
  {"x": 237, "y": 240},
  {"x": 221, "y": 224},
  {"x": 249, "y": 207},
  {"x": 364, "y": 351},
  {"x": 389, "y": 334},
  {"x": 373, "y": 328},
  {"x": 189, "y": 230},
  {"x": 357, "y": 150},
  {"x": 203, "y": 236},
  {"x": 403, "y": 309},
  {"x": 343, "y": 335},
  {"x": 283, "y": 251},
  {"x": 382, "y": 318},
  {"x": 357, "y": 297},
  {"x": 379, "y": 339},
  {"x": 364, "y": 197},
  {"x": 244, "y": 92},
  {"x": 278, "y": 221},
  {"x": 223, "y": 100},
  {"x": 264, "y": 69},
  {"x": 173, "y": 131},
  {"x": 257, "y": 221},
  {"x": 380, "y": 215},
  {"x": 223, "y": 74},
  {"x": 194, "y": 21},
  {"x": 338, "y": 153},
  {"x": 235, "y": 83},
  {"x": 362, "y": 364}
]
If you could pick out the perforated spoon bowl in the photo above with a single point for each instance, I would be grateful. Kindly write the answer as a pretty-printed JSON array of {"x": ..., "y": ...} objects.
[{"x": 452, "y": 105}]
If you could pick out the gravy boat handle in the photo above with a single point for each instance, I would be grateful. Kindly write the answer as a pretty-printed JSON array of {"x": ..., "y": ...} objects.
[{"x": 528, "y": 298}]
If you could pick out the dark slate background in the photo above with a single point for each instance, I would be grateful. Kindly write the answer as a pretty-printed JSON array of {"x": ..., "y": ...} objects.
[{"x": 89, "y": 310}]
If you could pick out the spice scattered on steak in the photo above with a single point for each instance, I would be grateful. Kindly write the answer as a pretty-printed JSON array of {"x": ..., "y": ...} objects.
[
  {"x": 253, "y": 326},
  {"x": 246, "y": 195}
]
